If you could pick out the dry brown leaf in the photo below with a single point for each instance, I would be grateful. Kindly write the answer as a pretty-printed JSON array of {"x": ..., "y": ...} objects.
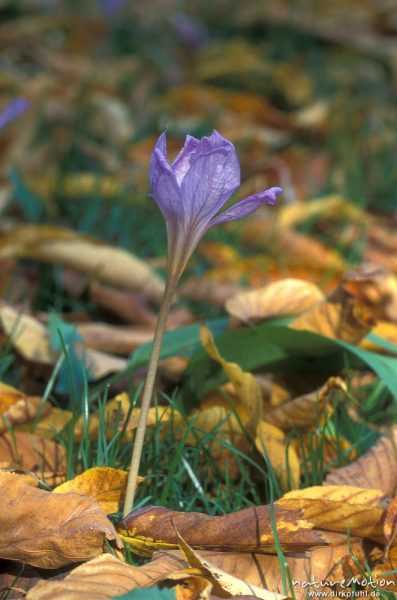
[
  {"x": 375, "y": 286},
  {"x": 105, "y": 577},
  {"x": 282, "y": 455},
  {"x": 117, "y": 339},
  {"x": 223, "y": 582},
  {"x": 32, "y": 340},
  {"x": 305, "y": 410},
  {"x": 75, "y": 532},
  {"x": 340, "y": 508},
  {"x": 386, "y": 331},
  {"x": 329, "y": 208},
  {"x": 340, "y": 317},
  {"x": 70, "y": 249},
  {"x": 46, "y": 459},
  {"x": 375, "y": 469},
  {"x": 249, "y": 530},
  {"x": 130, "y": 306},
  {"x": 16, "y": 408},
  {"x": 281, "y": 298},
  {"x": 104, "y": 484}
]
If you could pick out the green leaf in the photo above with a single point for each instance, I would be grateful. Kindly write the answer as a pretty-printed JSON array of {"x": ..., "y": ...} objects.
[
  {"x": 277, "y": 348},
  {"x": 181, "y": 341},
  {"x": 153, "y": 593}
]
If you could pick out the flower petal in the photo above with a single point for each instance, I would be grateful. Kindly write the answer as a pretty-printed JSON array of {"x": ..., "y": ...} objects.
[
  {"x": 13, "y": 110},
  {"x": 212, "y": 178},
  {"x": 165, "y": 189},
  {"x": 161, "y": 145},
  {"x": 245, "y": 207},
  {"x": 183, "y": 161}
]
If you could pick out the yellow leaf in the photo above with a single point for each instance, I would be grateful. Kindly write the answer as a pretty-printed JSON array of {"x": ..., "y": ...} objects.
[
  {"x": 340, "y": 508},
  {"x": 281, "y": 298},
  {"x": 246, "y": 386},
  {"x": 104, "y": 484},
  {"x": 283, "y": 457}
]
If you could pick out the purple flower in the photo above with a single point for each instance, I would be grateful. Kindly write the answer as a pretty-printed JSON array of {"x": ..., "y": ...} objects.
[
  {"x": 193, "y": 33},
  {"x": 13, "y": 110},
  {"x": 112, "y": 7},
  {"x": 191, "y": 192}
]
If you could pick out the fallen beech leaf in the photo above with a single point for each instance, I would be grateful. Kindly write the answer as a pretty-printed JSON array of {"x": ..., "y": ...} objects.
[
  {"x": 305, "y": 410},
  {"x": 75, "y": 532},
  {"x": 345, "y": 320},
  {"x": 340, "y": 508},
  {"x": 390, "y": 523},
  {"x": 46, "y": 459},
  {"x": 16, "y": 408},
  {"x": 32, "y": 340},
  {"x": 376, "y": 469},
  {"x": 385, "y": 330},
  {"x": 104, "y": 484},
  {"x": 223, "y": 582},
  {"x": 57, "y": 245},
  {"x": 246, "y": 386},
  {"x": 283, "y": 456},
  {"x": 281, "y": 298},
  {"x": 117, "y": 339},
  {"x": 248, "y": 530},
  {"x": 105, "y": 577},
  {"x": 329, "y": 208},
  {"x": 376, "y": 287}
]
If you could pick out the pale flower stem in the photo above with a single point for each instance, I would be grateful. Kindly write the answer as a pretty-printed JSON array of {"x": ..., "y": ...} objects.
[{"x": 166, "y": 304}]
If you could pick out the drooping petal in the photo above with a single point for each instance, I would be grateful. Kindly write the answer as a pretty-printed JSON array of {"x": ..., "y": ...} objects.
[
  {"x": 13, "y": 110},
  {"x": 213, "y": 177},
  {"x": 183, "y": 161},
  {"x": 245, "y": 207}
]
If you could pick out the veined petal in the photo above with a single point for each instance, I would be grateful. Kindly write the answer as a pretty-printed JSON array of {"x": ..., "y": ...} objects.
[
  {"x": 245, "y": 207},
  {"x": 183, "y": 161},
  {"x": 161, "y": 146},
  {"x": 212, "y": 178},
  {"x": 165, "y": 189}
]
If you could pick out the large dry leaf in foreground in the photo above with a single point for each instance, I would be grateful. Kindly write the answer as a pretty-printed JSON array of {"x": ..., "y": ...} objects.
[
  {"x": 49, "y": 530},
  {"x": 104, "y": 484},
  {"x": 154, "y": 527},
  {"x": 376, "y": 469},
  {"x": 46, "y": 459},
  {"x": 57, "y": 245},
  {"x": 340, "y": 508},
  {"x": 33, "y": 341},
  {"x": 281, "y": 298},
  {"x": 106, "y": 577},
  {"x": 224, "y": 583}
]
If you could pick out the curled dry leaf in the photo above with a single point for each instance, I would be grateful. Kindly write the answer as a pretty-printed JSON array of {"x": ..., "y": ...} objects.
[
  {"x": 376, "y": 469},
  {"x": 282, "y": 455},
  {"x": 16, "y": 408},
  {"x": 248, "y": 530},
  {"x": 57, "y": 245},
  {"x": 340, "y": 508},
  {"x": 305, "y": 410},
  {"x": 281, "y": 298},
  {"x": 75, "y": 532},
  {"x": 104, "y": 484},
  {"x": 344, "y": 320},
  {"x": 33, "y": 341},
  {"x": 46, "y": 459},
  {"x": 376, "y": 287},
  {"x": 105, "y": 577},
  {"x": 328, "y": 208}
]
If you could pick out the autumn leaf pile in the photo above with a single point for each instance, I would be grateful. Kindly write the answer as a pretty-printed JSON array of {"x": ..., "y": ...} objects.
[{"x": 270, "y": 460}]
